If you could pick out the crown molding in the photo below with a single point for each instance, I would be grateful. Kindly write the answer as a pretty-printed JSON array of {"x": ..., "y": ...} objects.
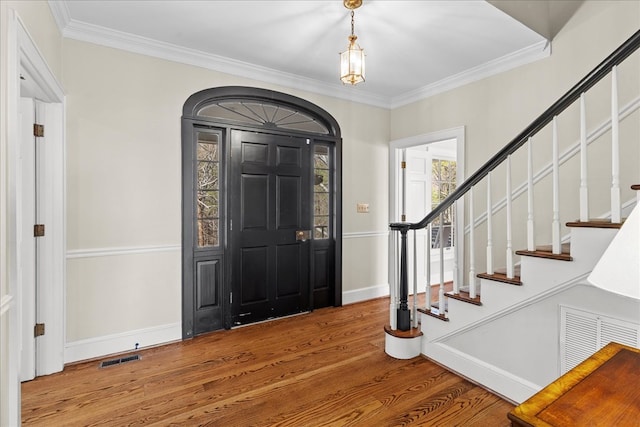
[
  {"x": 60, "y": 12},
  {"x": 508, "y": 62},
  {"x": 82, "y": 31},
  {"x": 99, "y": 35}
]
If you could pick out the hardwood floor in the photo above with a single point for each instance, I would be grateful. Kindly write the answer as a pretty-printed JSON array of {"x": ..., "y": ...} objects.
[{"x": 327, "y": 368}]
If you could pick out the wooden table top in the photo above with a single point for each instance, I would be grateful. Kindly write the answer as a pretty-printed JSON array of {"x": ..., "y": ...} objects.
[{"x": 604, "y": 390}]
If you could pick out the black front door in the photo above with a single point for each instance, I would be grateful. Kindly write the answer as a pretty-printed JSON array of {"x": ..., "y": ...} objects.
[{"x": 270, "y": 204}]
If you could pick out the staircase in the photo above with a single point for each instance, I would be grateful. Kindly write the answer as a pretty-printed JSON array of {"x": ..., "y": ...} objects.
[{"x": 510, "y": 329}]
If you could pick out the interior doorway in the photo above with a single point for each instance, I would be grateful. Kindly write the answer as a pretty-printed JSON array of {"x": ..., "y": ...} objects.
[
  {"x": 434, "y": 164},
  {"x": 262, "y": 213},
  {"x": 36, "y": 159}
]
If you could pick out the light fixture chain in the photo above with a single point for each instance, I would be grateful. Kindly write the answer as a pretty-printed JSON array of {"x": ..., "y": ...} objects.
[{"x": 352, "y": 23}]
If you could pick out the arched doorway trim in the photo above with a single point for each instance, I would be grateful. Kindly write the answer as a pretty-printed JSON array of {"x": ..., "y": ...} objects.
[{"x": 220, "y": 126}]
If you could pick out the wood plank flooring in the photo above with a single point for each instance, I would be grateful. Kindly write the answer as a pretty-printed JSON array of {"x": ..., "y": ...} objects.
[{"x": 326, "y": 368}]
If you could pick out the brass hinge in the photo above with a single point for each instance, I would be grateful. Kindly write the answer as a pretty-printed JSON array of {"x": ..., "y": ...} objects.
[
  {"x": 38, "y": 330},
  {"x": 38, "y": 230},
  {"x": 38, "y": 130},
  {"x": 403, "y": 165}
]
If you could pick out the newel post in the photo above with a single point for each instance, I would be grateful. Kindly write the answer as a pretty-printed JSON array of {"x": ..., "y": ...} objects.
[{"x": 404, "y": 315}]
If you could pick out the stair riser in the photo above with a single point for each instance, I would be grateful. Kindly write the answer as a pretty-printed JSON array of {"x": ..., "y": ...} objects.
[
  {"x": 588, "y": 244},
  {"x": 537, "y": 274}
]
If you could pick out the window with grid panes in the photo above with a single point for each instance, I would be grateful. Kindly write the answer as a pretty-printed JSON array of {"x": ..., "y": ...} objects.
[
  {"x": 443, "y": 183},
  {"x": 321, "y": 192},
  {"x": 207, "y": 189}
]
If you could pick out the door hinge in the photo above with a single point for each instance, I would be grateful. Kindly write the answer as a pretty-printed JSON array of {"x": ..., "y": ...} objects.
[
  {"x": 38, "y": 130},
  {"x": 230, "y": 297},
  {"x": 230, "y": 225},
  {"x": 38, "y": 330},
  {"x": 38, "y": 230},
  {"x": 403, "y": 165}
]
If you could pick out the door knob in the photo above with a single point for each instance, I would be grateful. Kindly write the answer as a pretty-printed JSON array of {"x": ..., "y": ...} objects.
[{"x": 303, "y": 235}]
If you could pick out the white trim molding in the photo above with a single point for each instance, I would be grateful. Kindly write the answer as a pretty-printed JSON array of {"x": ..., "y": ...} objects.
[
  {"x": 78, "y": 30},
  {"x": 505, "y": 384},
  {"x": 92, "y": 348},
  {"x": 508, "y": 62},
  {"x": 365, "y": 234},
  {"x": 134, "y": 250},
  {"x": 365, "y": 294}
]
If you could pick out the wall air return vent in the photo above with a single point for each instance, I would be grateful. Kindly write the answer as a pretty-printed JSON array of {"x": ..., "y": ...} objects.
[{"x": 582, "y": 333}]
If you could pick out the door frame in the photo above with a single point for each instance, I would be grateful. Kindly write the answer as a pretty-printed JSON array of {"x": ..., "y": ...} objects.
[
  {"x": 24, "y": 59},
  {"x": 395, "y": 185},
  {"x": 190, "y": 120}
]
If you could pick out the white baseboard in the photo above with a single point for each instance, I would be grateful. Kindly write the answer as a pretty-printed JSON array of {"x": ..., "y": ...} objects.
[
  {"x": 364, "y": 294},
  {"x": 118, "y": 343},
  {"x": 506, "y": 384}
]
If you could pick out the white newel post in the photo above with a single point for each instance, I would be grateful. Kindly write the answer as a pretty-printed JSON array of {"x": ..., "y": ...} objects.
[{"x": 615, "y": 148}]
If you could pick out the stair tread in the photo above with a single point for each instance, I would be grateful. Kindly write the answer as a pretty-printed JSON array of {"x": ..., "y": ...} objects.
[
  {"x": 546, "y": 251},
  {"x": 464, "y": 297},
  {"x": 437, "y": 316},
  {"x": 466, "y": 289},
  {"x": 411, "y": 333},
  {"x": 501, "y": 277},
  {"x": 503, "y": 270},
  {"x": 596, "y": 223}
]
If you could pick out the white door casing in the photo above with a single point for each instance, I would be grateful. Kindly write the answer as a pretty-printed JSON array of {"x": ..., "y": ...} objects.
[{"x": 395, "y": 198}]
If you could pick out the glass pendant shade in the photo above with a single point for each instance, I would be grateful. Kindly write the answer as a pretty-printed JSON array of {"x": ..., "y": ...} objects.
[{"x": 352, "y": 63}]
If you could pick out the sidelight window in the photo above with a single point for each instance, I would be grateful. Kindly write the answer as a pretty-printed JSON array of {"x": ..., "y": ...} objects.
[
  {"x": 321, "y": 192},
  {"x": 208, "y": 189}
]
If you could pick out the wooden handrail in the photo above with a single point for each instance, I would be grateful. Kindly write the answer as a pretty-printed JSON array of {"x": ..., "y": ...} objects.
[{"x": 598, "y": 73}]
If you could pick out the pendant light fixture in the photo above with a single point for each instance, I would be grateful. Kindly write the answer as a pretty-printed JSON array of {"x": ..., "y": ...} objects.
[{"x": 352, "y": 59}]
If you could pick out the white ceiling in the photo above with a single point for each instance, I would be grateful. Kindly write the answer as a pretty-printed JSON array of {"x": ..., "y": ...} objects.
[{"x": 414, "y": 48}]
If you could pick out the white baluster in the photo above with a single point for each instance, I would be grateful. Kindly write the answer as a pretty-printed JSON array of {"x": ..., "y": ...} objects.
[
  {"x": 531, "y": 243},
  {"x": 428, "y": 261},
  {"x": 441, "y": 290},
  {"x": 393, "y": 265},
  {"x": 472, "y": 263},
  {"x": 403, "y": 168},
  {"x": 584, "y": 188},
  {"x": 454, "y": 248},
  {"x": 555, "y": 225},
  {"x": 509, "y": 257},
  {"x": 489, "y": 227},
  {"x": 615, "y": 148},
  {"x": 414, "y": 308}
]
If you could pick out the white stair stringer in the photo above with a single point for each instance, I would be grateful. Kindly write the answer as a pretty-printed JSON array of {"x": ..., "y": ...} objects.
[
  {"x": 541, "y": 278},
  {"x": 538, "y": 275},
  {"x": 495, "y": 378}
]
